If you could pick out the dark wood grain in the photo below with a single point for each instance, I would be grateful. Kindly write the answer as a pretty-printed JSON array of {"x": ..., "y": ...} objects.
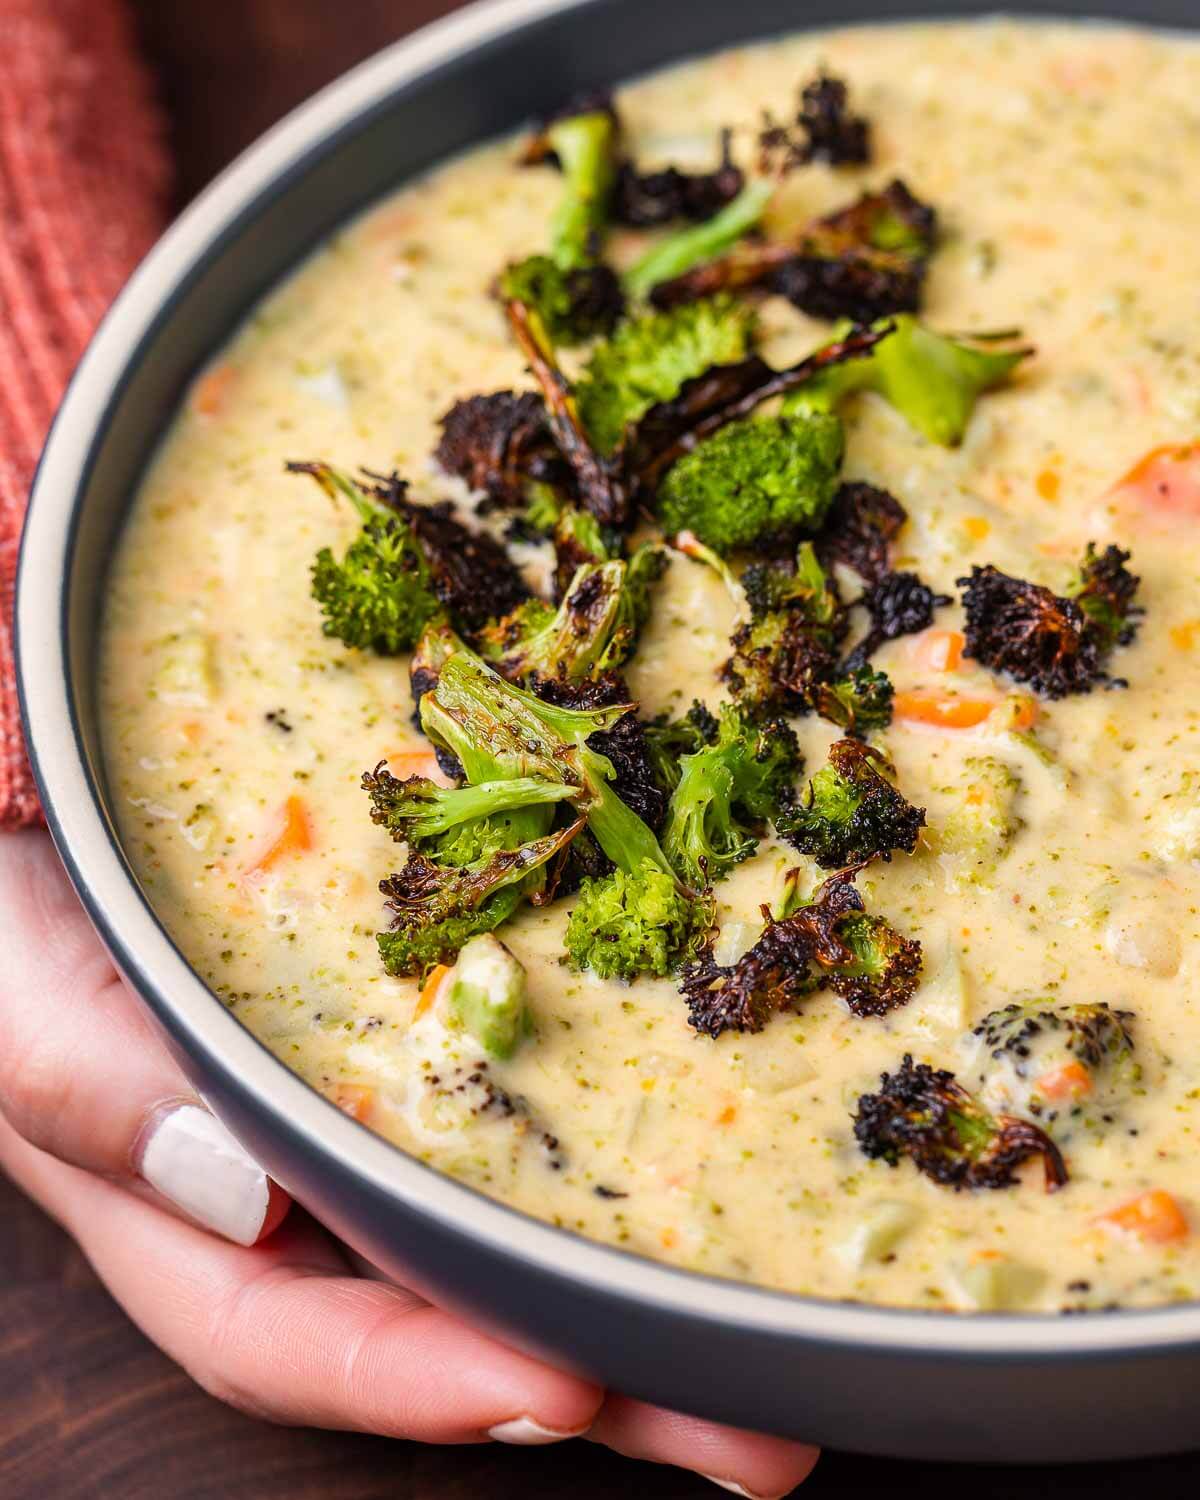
[{"x": 89, "y": 1410}]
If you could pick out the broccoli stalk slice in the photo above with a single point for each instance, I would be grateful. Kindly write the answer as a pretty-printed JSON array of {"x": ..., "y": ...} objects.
[
  {"x": 651, "y": 357},
  {"x": 725, "y": 793},
  {"x": 488, "y": 995},
  {"x": 686, "y": 248},
  {"x": 932, "y": 380},
  {"x": 925, "y": 1115},
  {"x": 417, "y": 809},
  {"x": 851, "y": 812}
]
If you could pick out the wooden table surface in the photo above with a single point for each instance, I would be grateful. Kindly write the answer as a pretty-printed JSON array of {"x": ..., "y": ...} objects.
[{"x": 89, "y": 1410}]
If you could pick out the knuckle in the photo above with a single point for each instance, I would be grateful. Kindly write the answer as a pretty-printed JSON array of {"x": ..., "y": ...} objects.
[{"x": 35, "y": 1094}]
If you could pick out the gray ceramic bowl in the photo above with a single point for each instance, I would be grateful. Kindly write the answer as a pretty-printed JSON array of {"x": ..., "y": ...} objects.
[{"x": 904, "y": 1383}]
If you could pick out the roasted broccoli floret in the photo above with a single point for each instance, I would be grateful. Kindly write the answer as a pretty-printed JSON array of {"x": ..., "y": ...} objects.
[
  {"x": 651, "y": 357},
  {"x": 985, "y": 819},
  {"x": 593, "y": 631},
  {"x": 807, "y": 590},
  {"x": 831, "y": 942},
  {"x": 1056, "y": 643},
  {"x": 408, "y": 562},
  {"x": 1058, "y": 1063},
  {"x": 635, "y": 922},
  {"x": 501, "y": 444},
  {"x": 833, "y": 133},
  {"x": 1105, "y": 591},
  {"x": 679, "y": 252},
  {"x": 574, "y": 294},
  {"x": 925, "y": 1115},
  {"x": 669, "y": 740},
  {"x": 579, "y": 539},
  {"x": 779, "y": 665},
  {"x": 416, "y": 810},
  {"x": 850, "y": 811},
  {"x": 933, "y": 381},
  {"x": 866, "y": 261},
  {"x": 858, "y": 702},
  {"x": 898, "y": 604},
  {"x": 754, "y": 479},
  {"x": 726, "y": 791},
  {"x": 645, "y": 200},
  {"x": 859, "y": 529}
]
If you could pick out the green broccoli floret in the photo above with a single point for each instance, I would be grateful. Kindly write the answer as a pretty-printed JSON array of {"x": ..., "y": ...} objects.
[
  {"x": 884, "y": 970},
  {"x": 925, "y": 1115},
  {"x": 859, "y": 702},
  {"x": 669, "y": 740},
  {"x": 380, "y": 595},
  {"x": 1105, "y": 591},
  {"x": 638, "y": 922},
  {"x": 593, "y": 631},
  {"x": 933, "y": 381},
  {"x": 686, "y": 248},
  {"x": 573, "y": 293},
  {"x": 417, "y": 810},
  {"x": 649, "y": 359},
  {"x": 851, "y": 812},
  {"x": 579, "y": 539},
  {"x": 725, "y": 793},
  {"x": 1063, "y": 1064},
  {"x": 755, "y": 478},
  {"x": 809, "y": 589}
]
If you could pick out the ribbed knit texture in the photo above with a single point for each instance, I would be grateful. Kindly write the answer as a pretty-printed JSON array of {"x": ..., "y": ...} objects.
[{"x": 83, "y": 178}]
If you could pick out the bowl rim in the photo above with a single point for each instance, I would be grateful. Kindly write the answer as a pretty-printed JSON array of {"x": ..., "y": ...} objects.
[{"x": 156, "y": 968}]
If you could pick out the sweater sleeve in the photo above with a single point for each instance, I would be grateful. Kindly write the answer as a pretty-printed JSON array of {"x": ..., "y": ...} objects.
[{"x": 83, "y": 183}]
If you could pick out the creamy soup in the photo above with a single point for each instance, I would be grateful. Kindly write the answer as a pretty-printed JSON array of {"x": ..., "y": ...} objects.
[{"x": 1063, "y": 162}]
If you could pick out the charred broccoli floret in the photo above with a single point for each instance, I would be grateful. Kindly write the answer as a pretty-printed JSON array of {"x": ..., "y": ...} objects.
[
  {"x": 925, "y": 1115},
  {"x": 858, "y": 702},
  {"x": 778, "y": 664},
  {"x": 579, "y": 539},
  {"x": 833, "y": 133},
  {"x": 726, "y": 791},
  {"x": 1058, "y": 1063},
  {"x": 574, "y": 294},
  {"x": 933, "y": 381},
  {"x": 1056, "y": 643},
  {"x": 679, "y": 252},
  {"x": 851, "y": 812},
  {"x": 501, "y": 445},
  {"x": 829, "y": 943},
  {"x": 754, "y": 479},
  {"x": 651, "y": 357},
  {"x": 408, "y": 562},
  {"x": 807, "y": 590},
  {"x": 635, "y": 922},
  {"x": 669, "y": 740},
  {"x": 859, "y": 529},
  {"x": 898, "y": 604},
  {"x": 593, "y": 631},
  {"x": 645, "y": 200},
  {"x": 417, "y": 811}
]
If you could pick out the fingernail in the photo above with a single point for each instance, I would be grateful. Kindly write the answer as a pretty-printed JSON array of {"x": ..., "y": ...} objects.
[
  {"x": 731, "y": 1485},
  {"x": 192, "y": 1160},
  {"x": 527, "y": 1433}
]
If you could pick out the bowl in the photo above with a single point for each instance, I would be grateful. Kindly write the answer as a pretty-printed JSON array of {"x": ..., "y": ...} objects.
[{"x": 905, "y": 1383}]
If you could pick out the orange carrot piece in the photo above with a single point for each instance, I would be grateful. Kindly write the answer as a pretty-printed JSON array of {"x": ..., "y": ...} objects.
[
  {"x": 212, "y": 389},
  {"x": 1183, "y": 637},
  {"x": 420, "y": 761},
  {"x": 1166, "y": 483},
  {"x": 354, "y": 1099},
  {"x": 1070, "y": 1081},
  {"x": 1154, "y": 1217},
  {"x": 942, "y": 710},
  {"x": 728, "y": 1115},
  {"x": 429, "y": 990},
  {"x": 1048, "y": 483},
  {"x": 295, "y": 837},
  {"x": 939, "y": 650}
]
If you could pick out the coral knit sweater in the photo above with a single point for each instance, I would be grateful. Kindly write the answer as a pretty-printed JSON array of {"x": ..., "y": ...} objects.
[{"x": 83, "y": 179}]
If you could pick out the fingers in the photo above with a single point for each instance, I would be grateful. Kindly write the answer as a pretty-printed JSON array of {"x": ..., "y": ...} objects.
[
  {"x": 281, "y": 1329},
  {"x": 92, "y": 1084},
  {"x": 745, "y": 1463}
]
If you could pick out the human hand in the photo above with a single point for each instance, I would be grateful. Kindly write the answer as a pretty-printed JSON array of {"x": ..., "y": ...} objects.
[{"x": 262, "y": 1307}]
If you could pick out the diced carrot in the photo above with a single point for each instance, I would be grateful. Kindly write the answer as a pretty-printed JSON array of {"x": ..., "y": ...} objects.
[
  {"x": 1183, "y": 637},
  {"x": 977, "y": 527},
  {"x": 1070, "y": 1081},
  {"x": 669, "y": 1239},
  {"x": 943, "y": 710},
  {"x": 1048, "y": 483},
  {"x": 728, "y": 1115},
  {"x": 429, "y": 990},
  {"x": 939, "y": 650},
  {"x": 1154, "y": 1217},
  {"x": 294, "y": 837},
  {"x": 354, "y": 1099},
  {"x": 212, "y": 389},
  {"x": 420, "y": 761},
  {"x": 1166, "y": 483}
]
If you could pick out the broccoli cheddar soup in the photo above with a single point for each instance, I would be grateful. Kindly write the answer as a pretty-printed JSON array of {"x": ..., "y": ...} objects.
[{"x": 660, "y": 671}]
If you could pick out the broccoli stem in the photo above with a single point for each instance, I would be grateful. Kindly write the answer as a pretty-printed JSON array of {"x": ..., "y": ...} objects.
[
  {"x": 584, "y": 147},
  {"x": 680, "y": 252},
  {"x": 487, "y": 993}
]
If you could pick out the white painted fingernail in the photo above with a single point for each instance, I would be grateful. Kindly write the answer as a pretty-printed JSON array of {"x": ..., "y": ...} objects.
[
  {"x": 190, "y": 1158},
  {"x": 527, "y": 1433},
  {"x": 731, "y": 1485}
]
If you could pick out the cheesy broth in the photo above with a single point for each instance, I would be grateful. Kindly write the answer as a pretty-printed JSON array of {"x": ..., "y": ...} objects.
[{"x": 1063, "y": 162}]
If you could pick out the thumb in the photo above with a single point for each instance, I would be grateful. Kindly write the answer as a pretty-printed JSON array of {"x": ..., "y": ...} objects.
[{"x": 89, "y": 1081}]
